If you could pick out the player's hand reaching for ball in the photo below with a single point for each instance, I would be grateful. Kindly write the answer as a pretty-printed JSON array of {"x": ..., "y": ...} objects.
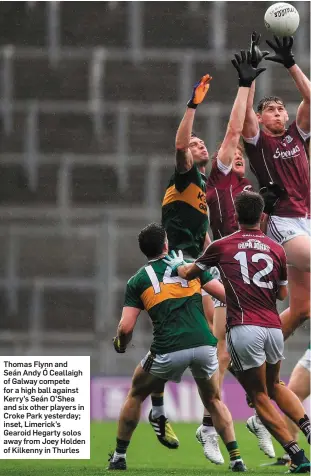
[
  {"x": 199, "y": 91},
  {"x": 257, "y": 54},
  {"x": 283, "y": 51},
  {"x": 243, "y": 65}
]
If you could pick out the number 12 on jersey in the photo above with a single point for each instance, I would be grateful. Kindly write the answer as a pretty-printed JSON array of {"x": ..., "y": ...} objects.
[{"x": 241, "y": 257}]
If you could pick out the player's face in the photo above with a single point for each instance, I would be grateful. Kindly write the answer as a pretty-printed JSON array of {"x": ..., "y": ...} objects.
[
  {"x": 273, "y": 117},
  {"x": 238, "y": 164},
  {"x": 198, "y": 151}
]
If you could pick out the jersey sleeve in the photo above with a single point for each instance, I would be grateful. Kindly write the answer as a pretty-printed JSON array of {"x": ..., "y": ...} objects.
[
  {"x": 283, "y": 269},
  {"x": 304, "y": 135},
  {"x": 210, "y": 256},
  {"x": 132, "y": 296},
  {"x": 182, "y": 180},
  {"x": 205, "y": 277}
]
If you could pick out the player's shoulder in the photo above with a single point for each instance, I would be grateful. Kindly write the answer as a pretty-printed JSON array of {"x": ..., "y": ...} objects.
[
  {"x": 221, "y": 243},
  {"x": 138, "y": 277}
]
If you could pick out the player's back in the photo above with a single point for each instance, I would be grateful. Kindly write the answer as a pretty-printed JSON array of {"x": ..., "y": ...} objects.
[
  {"x": 252, "y": 267},
  {"x": 184, "y": 211},
  {"x": 174, "y": 306}
]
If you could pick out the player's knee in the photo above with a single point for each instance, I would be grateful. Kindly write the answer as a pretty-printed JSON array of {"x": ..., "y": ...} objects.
[
  {"x": 223, "y": 359},
  {"x": 272, "y": 389}
]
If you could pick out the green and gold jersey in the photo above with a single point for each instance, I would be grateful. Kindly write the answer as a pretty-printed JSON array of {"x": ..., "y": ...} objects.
[
  {"x": 184, "y": 212},
  {"x": 174, "y": 306}
]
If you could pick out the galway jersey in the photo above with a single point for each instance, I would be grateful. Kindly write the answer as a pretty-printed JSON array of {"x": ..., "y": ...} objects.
[
  {"x": 283, "y": 160},
  {"x": 222, "y": 187},
  {"x": 184, "y": 212},
  {"x": 174, "y": 306},
  {"x": 252, "y": 267}
]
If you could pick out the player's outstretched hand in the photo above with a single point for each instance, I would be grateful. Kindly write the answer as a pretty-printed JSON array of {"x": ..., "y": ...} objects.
[
  {"x": 199, "y": 91},
  {"x": 117, "y": 347},
  {"x": 174, "y": 261},
  {"x": 257, "y": 54},
  {"x": 243, "y": 65},
  {"x": 282, "y": 48}
]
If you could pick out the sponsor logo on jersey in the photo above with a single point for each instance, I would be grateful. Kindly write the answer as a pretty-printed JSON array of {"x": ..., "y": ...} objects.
[
  {"x": 253, "y": 245},
  {"x": 287, "y": 154}
]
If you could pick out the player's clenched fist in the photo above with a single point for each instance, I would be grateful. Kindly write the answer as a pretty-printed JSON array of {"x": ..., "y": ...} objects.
[
  {"x": 199, "y": 91},
  {"x": 117, "y": 346}
]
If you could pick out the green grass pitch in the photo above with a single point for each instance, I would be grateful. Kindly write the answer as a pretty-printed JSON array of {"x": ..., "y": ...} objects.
[{"x": 146, "y": 457}]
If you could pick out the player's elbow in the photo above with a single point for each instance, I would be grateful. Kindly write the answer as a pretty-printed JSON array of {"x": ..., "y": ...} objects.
[
  {"x": 181, "y": 145},
  {"x": 282, "y": 293}
]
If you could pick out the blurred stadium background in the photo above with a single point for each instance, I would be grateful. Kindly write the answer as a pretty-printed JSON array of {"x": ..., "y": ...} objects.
[{"x": 91, "y": 97}]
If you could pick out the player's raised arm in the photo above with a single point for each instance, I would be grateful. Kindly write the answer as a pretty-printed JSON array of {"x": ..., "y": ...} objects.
[
  {"x": 251, "y": 126},
  {"x": 247, "y": 74},
  {"x": 284, "y": 55},
  {"x": 184, "y": 159}
]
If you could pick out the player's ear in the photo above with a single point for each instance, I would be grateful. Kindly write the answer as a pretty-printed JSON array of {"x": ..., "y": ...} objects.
[
  {"x": 286, "y": 116},
  {"x": 262, "y": 217},
  {"x": 259, "y": 117}
]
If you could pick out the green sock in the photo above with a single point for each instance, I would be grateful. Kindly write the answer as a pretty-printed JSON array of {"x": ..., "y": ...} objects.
[{"x": 233, "y": 450}]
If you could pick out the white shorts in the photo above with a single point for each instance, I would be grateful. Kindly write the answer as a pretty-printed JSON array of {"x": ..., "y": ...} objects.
[
  {"x": 202, "y": 362},
  {"x": 305, "y": 360},
  {"x": 283, "y": 229},
  {"x": 251, "y": 346}
]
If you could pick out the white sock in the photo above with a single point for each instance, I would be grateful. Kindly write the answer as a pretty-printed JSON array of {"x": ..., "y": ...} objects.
[
  {"x": 157, "y": 411},
  {"x": 209, "y": 430},
  {"x": 117, "y": 456}
]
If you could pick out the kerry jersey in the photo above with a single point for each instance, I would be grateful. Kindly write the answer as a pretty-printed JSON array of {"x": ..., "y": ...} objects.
[
  {"x": 174, "y": 306},
  {"x": 184, "y": 212}
]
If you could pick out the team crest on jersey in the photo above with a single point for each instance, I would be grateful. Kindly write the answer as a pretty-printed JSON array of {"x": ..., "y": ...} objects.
[
  {"x": 253, "y": 244},
  {"x": 288, "y": 139}
]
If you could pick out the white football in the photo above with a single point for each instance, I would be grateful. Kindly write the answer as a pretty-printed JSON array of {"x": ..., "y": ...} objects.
[{"x": 282, "y": 19}]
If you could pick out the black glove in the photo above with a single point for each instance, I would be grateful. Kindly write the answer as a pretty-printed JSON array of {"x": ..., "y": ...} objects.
[
  {"x": 257, "y": 54},
  {"x": 271, "y": 194},
  {"x": 243, "y": 65},
  {"x": 117, "y": 347},
  {"x": 283, "y": 51}
]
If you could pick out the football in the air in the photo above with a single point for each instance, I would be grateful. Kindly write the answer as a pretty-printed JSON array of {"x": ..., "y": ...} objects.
[{"x": 282, "y": 19}]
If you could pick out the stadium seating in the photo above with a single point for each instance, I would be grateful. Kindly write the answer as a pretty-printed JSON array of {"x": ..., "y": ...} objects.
[{"x": 90, "y": 102}]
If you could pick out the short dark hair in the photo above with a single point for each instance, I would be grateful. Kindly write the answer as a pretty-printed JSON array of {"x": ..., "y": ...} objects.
[
  {"x": 193, "y": 134},
  {"x": 249, "y": 207},
  {"x": 266, "y": 100},
  {"x": 151, "y": 240}
]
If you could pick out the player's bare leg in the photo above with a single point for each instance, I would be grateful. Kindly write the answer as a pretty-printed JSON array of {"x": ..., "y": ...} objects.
[
  {"x": 257, "y": 382},
  {"x": 142, "y": 385},
  {"x": 298, "y": 257},
  {"x": 299, "y": 384},
  {"x": 220, "y": 333},
  {"x": 206, "y": 433},
  {"x": 210, "y": 396}
]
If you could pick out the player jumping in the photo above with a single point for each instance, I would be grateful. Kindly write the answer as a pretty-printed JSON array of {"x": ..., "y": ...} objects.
[
  {"x": 254, "y": 272},
  {"x": 278, "y": 158}
]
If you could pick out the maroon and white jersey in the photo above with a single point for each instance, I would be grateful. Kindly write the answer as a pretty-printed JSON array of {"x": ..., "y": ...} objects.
[
  {"x": 252, "y": 266},
  {"x": 283, "y": 160},
  {"x": 222, "y": 186}
]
